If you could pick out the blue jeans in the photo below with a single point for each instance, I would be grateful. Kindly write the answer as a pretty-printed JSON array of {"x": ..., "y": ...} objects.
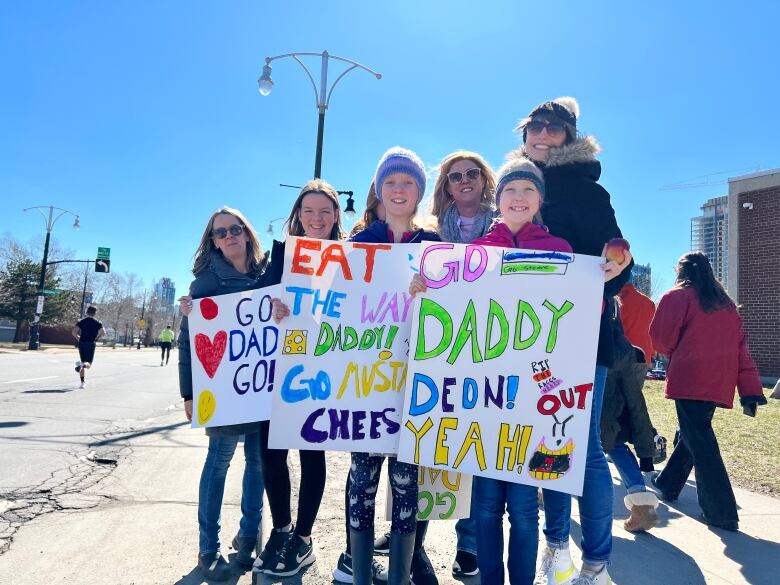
[
  {"x": 466, "y": 532},
  {"x": 491, "y": 498},
  {"x": 212, "y": 489},
  {"x": 596, "y": 499},
  {"x": 628, "y": 468}
]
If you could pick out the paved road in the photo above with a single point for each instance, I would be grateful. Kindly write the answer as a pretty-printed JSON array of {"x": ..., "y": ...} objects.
[
  {"x": 56, "y": 439},
  {"x": 65, "y": 518}
]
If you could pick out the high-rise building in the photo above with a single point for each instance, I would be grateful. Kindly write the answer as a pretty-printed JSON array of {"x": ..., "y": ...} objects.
[
  {"x": 165, "y": 290},
  {"x": 642, "y": 278},
  {"x": 754, "y": 273},
  {"x": 710, "y": 235}
]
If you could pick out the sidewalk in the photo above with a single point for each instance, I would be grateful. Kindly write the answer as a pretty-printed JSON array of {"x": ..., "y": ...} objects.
[{"x": 143, "y": 529}]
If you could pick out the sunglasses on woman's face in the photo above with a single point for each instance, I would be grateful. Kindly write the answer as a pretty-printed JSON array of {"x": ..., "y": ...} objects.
[
  {"x": 222, "y": 233},
  {"x": 553, "y": 128},
  {"x": 471, "y": 174}
]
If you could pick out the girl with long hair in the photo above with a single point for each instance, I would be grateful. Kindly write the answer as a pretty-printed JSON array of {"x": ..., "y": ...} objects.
[{"x": 698, "y": 327}]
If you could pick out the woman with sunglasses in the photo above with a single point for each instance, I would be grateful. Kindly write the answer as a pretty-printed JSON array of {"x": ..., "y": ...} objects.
[
  {"x": 463, "y": 197},
  {"x": 578, "y": 209},
  {"x": 315, "y": 214},
  {"x": 464, "y": 205},
  {"x": 229, "y": 259}
]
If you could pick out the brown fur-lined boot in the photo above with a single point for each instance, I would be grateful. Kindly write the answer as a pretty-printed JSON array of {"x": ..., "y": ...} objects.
[{"x": 642, "y": 506}]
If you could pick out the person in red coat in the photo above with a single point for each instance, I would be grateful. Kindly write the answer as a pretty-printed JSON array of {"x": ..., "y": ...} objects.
[
  {"x": 697, "y": 326},
  {"x": 636, "y": 313}
]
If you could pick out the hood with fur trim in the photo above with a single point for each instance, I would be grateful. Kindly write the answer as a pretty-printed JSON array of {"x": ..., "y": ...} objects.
[{"x": 582, "y": 150}]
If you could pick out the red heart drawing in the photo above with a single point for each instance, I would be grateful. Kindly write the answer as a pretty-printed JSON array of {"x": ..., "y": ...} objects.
[{"x": 210, "y": 353}]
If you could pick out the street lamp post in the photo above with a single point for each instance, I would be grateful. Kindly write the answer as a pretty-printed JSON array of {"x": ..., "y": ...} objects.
[
  {"x": 265, "y": 85},
  {"x": 51, "y": 219}
]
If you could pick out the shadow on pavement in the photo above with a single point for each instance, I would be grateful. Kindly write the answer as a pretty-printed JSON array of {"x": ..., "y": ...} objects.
[
  {"x": 49, "y": 391},
  {"x": 134, "y": 434},
  {"x": 194, "y": 577},
  {"x": 12, "y": 424},
  {"x": 759, "y": 559}
]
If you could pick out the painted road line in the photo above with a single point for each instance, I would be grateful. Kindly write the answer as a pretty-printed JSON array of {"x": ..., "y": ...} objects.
[{"x": 30, "y": 380}]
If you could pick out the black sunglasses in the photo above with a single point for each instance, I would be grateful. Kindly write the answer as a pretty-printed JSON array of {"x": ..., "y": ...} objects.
[
  {"x": 553, "y": 128},
  {"x": 222, "y": 233},
  {"x": 472, "y": 175}
]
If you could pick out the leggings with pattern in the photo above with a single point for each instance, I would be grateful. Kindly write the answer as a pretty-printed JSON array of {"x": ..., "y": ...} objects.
[{"x": 364, "y": 473}]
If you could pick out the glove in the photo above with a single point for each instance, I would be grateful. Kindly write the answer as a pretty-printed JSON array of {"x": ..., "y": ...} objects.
[{"x": 750, "y": 409}]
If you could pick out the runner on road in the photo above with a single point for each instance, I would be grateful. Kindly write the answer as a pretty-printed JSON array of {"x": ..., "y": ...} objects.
[
  {"x": 87, "y": 332},
  {"x": 166, "y": 340}
]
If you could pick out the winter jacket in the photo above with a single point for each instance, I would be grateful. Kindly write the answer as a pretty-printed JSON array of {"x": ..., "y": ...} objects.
[
  {"x": 531, "y": 236},
  {"x": 379, "y": 233},
  {"x": 636, "y": 313},
  {"x": 708, "y": 353},
  {"x": 578, "y": 209},
  {"x": 624, "y": 415},
  {"x": 218, "y": 278}
]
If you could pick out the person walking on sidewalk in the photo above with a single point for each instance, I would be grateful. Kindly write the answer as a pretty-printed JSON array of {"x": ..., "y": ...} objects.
[
  {"x": 166, "y": 341},
  {"x": 624, "y": 418},
  {"x": 698, "y": 327},
  {"x": 229, "y": 259},
  {"x": 87, "y": 332}
]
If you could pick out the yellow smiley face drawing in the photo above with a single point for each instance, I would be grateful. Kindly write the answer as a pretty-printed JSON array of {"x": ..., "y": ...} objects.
[{"x": 207, "y": 404}]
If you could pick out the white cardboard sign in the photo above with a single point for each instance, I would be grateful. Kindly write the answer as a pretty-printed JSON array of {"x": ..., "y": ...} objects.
[{"x": 234, "y": 345}]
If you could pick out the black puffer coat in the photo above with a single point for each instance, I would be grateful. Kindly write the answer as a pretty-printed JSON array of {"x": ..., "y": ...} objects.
[{"x": 578, "y": 209}]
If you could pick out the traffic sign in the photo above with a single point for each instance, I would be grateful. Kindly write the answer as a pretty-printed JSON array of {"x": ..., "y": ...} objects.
[
  {"x": 104, "y": 254},
  {"x": 103, "y": 265},
  {"x": 141, "y": 323},
  {"x": 39, "y": 306}
]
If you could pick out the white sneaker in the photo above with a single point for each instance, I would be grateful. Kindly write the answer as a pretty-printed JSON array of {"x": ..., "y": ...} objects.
[
  {"x": 588, "y": 578},
  {"x": 557, "y": 568},
  {"x": 83, "y": 385}
]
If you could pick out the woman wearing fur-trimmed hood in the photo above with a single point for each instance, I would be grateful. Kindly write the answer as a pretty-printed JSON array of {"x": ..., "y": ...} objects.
[{"x": 578, "y": 209}]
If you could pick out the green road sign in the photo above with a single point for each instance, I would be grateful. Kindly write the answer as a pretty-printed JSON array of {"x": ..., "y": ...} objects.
[
  {"x": 53, "y": 292},
  {"x": 104, "y": 254}
]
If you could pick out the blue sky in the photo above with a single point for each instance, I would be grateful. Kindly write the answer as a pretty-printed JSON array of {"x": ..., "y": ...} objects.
[{"x": 143, "y": 117}]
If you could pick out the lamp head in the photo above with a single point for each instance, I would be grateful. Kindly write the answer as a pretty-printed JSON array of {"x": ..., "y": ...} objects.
[
  {"x": 270, "y": 230},
  {"x": 265, "y": 84},
  {"x": 76, "y": 224},
  {"x": 349, "y": 211}
]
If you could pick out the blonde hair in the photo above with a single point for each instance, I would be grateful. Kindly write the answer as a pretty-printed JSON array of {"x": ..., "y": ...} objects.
[
  {"x": 254, "y": 251},
  {"x": 442, "y": 198},
  {"x": 293, "y": 224}
]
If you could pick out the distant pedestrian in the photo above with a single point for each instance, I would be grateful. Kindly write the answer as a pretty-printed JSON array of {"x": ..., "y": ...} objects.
[
  {"x": 698, "y": 328},
  {"x": 87, "y": 332},
  {"x": 166, "y": 341}
]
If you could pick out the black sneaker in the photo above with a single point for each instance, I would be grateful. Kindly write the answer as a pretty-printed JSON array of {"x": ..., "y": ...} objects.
[
  {"x": 294, "y": 556},
  {"x": 273, "y": 545},
  {"x": 465, "y": 564},
  {"x": 664, "y": 496},
  {"x": 660, "y": 449},
  {"x": 422, "y": 571},
  {"x": 214, "y": 567},
  {"x": 343, "y": 570},
  {"x": 382, "y": 544},
  {"x": 244, "y": 547}
]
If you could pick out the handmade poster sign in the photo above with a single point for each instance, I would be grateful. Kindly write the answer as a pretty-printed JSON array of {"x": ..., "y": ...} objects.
[
  {"x": 501, "y": 364},
  {"x": 342, "y": 366},
  {"x": 442, "y": 495},
  {"x": 234, "y": 346}
]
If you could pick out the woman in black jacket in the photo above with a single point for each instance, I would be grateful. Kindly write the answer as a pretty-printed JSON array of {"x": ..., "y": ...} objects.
[
  {"x": 578, "y": 209},
  {"x": 229, "y": 259}
]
